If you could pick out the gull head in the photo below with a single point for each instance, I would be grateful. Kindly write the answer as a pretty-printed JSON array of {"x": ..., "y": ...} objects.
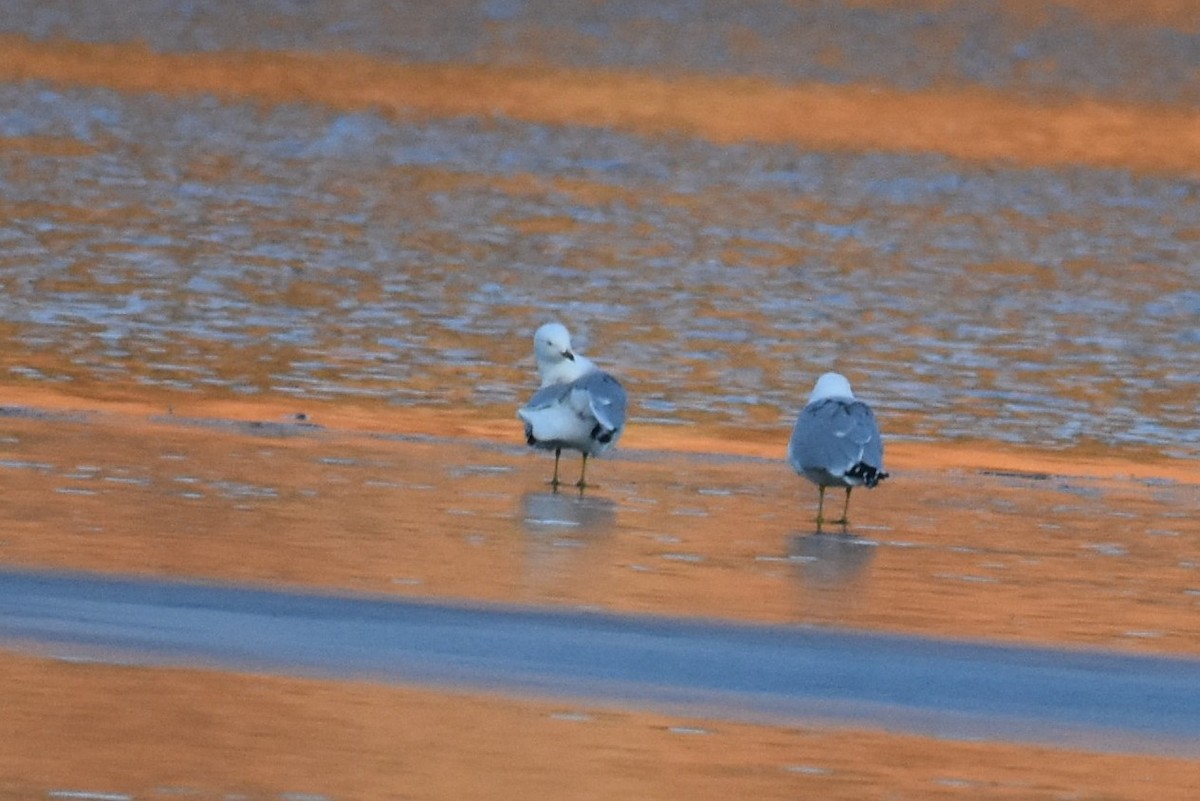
[
  {"x": 556, "y": 360},
  {"x": 552, "y": 344},
  {"x": 831, "y": 385}
]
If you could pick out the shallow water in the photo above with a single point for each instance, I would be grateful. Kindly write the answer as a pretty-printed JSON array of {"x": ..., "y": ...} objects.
[
  {"x": 1135, "y": 51},
  {"x": 1096, "y": 700},
  {"x": 184, "y": 245},
  {"x": 672, "y": 548},
  {"x": 208, "y": 248},
  {"x": 293, "y": 254},
  {"x": 1023, "y": 557}
]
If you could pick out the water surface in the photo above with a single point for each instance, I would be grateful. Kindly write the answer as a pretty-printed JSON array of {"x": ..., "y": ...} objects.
[
  {"x": 268, "y": 275},
  {"x": 201, "y": 248}
]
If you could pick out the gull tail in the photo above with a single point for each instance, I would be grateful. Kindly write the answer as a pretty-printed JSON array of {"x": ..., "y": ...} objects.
[{"x": 548, "y": 425}]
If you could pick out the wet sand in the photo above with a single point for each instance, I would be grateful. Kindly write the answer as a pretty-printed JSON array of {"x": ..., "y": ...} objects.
[{"x": 196, "y": 734}]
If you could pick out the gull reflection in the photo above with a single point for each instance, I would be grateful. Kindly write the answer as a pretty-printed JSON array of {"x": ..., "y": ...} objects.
[
  {"x": 560, "y": 527},
  {"x": 830, "y": 560},
  {"x": 830, "y": 571},
  {"x": 566, "y": 513}
]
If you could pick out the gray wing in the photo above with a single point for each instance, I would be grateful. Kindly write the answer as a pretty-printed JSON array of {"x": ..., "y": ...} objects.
[
  {"x": 548, "y": 396},
  {"x": 835, "y": 435},
  {"x": 605, "y": 398}
]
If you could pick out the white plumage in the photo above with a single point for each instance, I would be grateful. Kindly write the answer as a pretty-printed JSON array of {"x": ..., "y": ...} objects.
[{"x": 578, "y": 407}]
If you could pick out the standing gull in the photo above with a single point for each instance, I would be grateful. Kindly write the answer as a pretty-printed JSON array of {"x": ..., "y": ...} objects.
[
  {"x": 579, "y": 406},
  {"x": 836, "y": 442}
]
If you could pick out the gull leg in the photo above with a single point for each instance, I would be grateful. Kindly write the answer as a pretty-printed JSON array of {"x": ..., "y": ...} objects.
[
  {"x": 845, "y": 510},
  {"x": 554, "y": 481},
  {"x": 820, "y": 506},
  {"x": 582, "y": 472}
]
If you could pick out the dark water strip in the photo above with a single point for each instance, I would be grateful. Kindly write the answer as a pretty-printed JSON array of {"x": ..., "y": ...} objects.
[{"x": 776, "y": 674}]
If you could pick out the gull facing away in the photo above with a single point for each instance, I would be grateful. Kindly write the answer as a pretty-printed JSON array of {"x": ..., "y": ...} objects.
[
  {"x": 836, "y": 442},
  {"x": 579, "y": 406}
]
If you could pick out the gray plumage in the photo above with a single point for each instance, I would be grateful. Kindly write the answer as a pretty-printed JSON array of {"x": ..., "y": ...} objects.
[
  {"x": 586, "y": 415},
  {"x": 836, "y": 442}
]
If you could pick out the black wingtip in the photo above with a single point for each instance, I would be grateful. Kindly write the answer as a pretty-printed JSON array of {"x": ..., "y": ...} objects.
[
  {"x": 868, "y": 475},
  {"x": 602, "y": 435}
]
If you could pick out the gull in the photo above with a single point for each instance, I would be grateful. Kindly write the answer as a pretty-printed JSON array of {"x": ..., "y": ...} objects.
[
  {"x": 836, "y": 442},
  {"x": 579, "y": 406}
]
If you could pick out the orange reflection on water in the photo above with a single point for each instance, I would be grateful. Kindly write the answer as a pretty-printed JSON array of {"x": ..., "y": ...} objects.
[
  {"x": 970, "y": 124},
  {"x": 961, "y": 543}
]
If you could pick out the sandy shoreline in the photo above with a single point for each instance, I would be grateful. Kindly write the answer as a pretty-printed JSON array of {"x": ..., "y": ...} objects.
[{"x": 1095, "y": 461}]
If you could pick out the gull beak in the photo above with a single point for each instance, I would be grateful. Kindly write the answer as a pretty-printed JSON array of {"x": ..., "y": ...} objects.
[{"x": 568, "y": 355}]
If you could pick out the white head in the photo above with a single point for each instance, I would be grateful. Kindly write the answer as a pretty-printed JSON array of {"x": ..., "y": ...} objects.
[
  {"x": 556, "y": 361},
  {"x": 552, "y": 343},
  {"x": 831, "y": 385}
]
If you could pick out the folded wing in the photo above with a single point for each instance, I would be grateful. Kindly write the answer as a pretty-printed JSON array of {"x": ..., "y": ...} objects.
[
  {"x": 837, "y": 441},
  {"x": 587, "y": 414}
]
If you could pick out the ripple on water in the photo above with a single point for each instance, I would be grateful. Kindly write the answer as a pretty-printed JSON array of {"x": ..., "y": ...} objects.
[{"x": 717, "y": 281}]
